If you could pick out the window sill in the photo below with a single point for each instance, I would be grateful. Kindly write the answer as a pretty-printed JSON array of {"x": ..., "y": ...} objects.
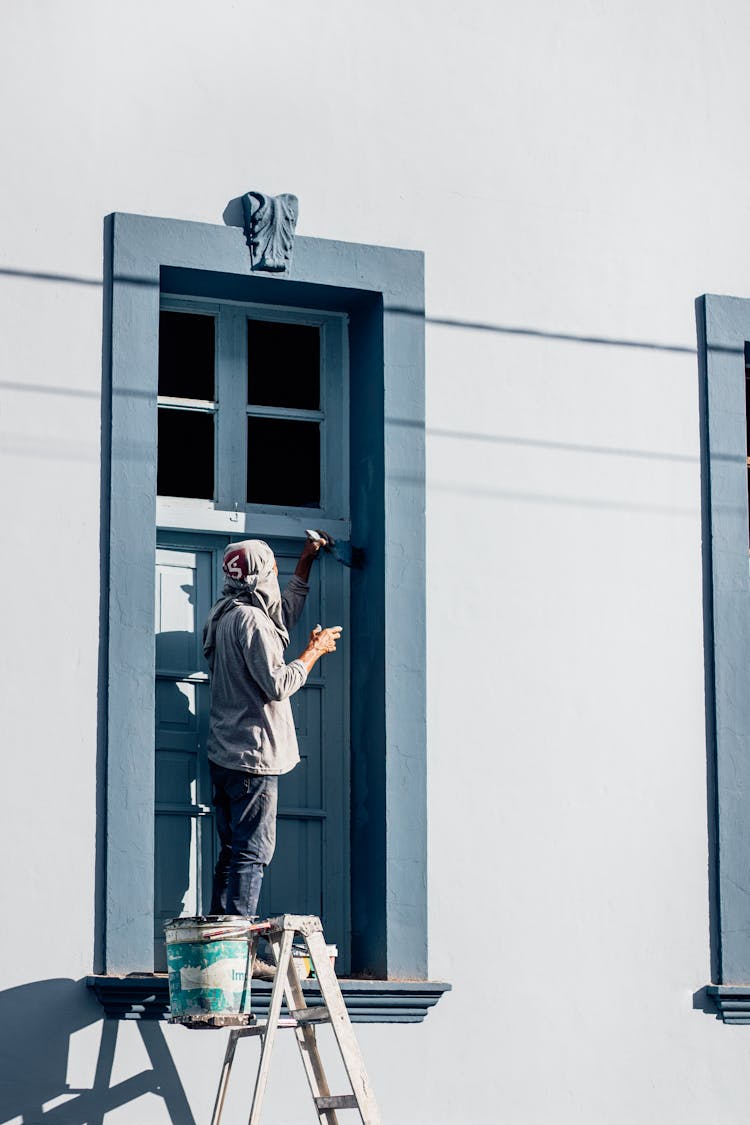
[
  {"x": 732, "y": 1001},
  {"x": 145, "y": 997}
]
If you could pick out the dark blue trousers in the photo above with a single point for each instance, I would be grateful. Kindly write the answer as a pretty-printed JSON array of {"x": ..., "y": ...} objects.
[{"x": 245, "y": 808}]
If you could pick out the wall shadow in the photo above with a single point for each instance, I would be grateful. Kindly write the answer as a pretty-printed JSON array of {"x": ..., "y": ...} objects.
[
  {"x": 702, "y": 1002},
  {"x": 37, "y": 1021}
]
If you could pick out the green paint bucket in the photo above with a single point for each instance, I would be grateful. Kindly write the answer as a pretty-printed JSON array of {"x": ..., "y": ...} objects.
[{"x": 210, "y": 964}]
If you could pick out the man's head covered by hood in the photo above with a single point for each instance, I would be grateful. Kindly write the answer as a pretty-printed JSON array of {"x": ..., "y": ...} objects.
[{"x": 250, "y": 579}]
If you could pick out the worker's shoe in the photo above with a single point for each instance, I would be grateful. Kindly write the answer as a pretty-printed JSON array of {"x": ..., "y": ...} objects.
[{"x": 262, "y": 970}]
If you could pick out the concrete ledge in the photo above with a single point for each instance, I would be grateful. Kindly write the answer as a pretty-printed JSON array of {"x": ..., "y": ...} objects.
[
  {"x": 732, "y": 1001},
  {"x": 146, "y": 997}
]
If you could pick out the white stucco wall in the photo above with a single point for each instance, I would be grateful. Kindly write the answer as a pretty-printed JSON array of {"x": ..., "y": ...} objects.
[{"x": 579, "y": 170}]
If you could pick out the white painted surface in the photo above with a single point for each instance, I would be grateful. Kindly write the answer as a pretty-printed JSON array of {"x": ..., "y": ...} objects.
[{"x": 575, "y": 169}]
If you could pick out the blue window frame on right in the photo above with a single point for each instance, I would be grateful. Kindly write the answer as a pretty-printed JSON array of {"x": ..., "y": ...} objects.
[{"x": 723, "y": 339}]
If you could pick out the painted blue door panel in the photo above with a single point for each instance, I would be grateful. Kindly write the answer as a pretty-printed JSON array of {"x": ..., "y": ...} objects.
[
  {"x": 175, "y": 883},
  {"x": 313, "y": 830},
  {"x": 309, "y": 872},
  {"x": 303, "y": 787},
  {"x": 176, "y": 777},
  {"x": 176, "y": 710},
  {"x": 293, "y": 882},
  {"x": 184, "y": 822}
]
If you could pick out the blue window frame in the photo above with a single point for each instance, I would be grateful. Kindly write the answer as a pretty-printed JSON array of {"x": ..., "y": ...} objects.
[
  {"x": 723, "y": 335},
  {"x": 380, "y": 291},
  {"x": 269, "y": 389},
  {"x": 222, "y": 501}
]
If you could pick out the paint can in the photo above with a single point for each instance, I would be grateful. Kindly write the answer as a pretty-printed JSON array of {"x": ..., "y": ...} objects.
[
  {"x": 210, "y": 965},
  {"x": 302, "y": 962}
]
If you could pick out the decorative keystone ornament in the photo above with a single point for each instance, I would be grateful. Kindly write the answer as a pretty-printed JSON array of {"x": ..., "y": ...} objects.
[{"x": 269, "y": 229}]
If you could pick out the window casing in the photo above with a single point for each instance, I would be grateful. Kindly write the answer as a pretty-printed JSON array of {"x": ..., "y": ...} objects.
[
  {"x": 723, "y": 333},
  {"x": 381, "y": 292}
]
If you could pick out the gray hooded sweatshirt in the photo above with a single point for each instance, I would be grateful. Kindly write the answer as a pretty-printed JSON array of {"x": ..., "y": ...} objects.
[{"x": 251, "y": 726}]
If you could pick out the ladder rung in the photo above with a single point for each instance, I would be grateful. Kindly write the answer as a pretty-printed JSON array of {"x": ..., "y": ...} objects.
[
  {"x": 337, "y": 1101},
  {"x": 310, "y": 1015},
  {"x": 260, "y": 1027}
]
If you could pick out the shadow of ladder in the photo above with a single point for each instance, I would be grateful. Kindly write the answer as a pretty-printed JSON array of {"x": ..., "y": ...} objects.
[{"x": 91, "y": 1105}]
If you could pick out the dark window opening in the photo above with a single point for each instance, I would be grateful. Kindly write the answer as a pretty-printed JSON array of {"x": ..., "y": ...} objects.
[
  {"x": 283, "y": 462},
  {"x": 186, "y": 355},
  {"x": 283, "y": 365},
  {"x": 185, "y": 455}
]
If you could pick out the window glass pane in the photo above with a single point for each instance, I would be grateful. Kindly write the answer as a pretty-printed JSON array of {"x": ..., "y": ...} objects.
[
  {"x": 283, "y": 462},
  {"x": 186, "y": 355},
  {"x": 283, "y": 365},
  {"x": 185, "y": 460}
]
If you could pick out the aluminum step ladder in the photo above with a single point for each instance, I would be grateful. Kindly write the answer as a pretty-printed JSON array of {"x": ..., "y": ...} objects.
[{"x": 302, "y": 1019}]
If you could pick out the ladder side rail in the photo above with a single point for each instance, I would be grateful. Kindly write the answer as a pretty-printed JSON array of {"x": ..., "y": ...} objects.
[
  {"x": 283, "y": 956},
  {"x": 307, "y": 1041},
  {"x": 342, "y": 1028},
  {"x": 226, "y": 1068}
]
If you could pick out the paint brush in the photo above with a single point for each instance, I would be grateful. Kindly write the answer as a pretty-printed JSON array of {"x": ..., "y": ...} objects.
[{"x": 344, "y": 552}]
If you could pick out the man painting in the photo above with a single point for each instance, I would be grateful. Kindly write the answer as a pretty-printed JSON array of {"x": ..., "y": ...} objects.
[{"x": 251, "y": 739}]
